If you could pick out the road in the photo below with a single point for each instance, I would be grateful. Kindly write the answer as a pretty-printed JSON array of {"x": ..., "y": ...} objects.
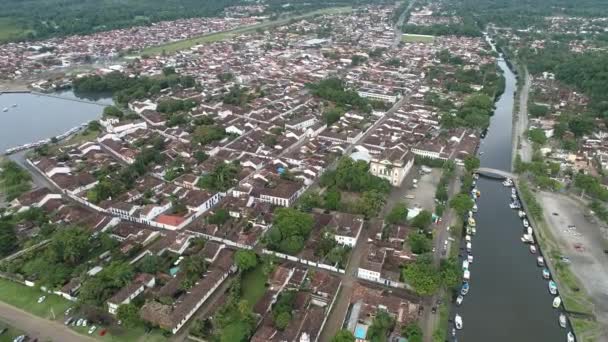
[
  {"x": 399, "y": 23},
  {"x": 521, "y": 144},
  {"x": 37, "y": 327},
  {"x": 429, "y": 321}
]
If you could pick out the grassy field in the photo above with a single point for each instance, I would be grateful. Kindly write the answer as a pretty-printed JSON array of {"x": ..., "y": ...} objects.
[
  {"x": 214, "y": 37},
  {"x": 253, "y": 288},
  {"x": 10, "y": 334},
  {"x": 587, "y": 331},
  {"x": 9, "y": 30},
  {"x": 26, "y": 298},
  {"x": 417, "y": 38}
]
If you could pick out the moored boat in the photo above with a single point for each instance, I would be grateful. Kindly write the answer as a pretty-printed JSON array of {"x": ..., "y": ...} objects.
[
  {"x": 466, "y": 275},
  {"x": 469, "y": 247},
  {"x": 540, "y": 261},
  {"x": 552, "y": 287},
  {"x": 459, "y": 299},
  {"x": 532, "y": 249},
  {"x": 521, "y": 213},
  {"x": 465, "y": 264},
  {"x": 570, "y": 336},
  {"x": 475, "y": 208},
  {"x": 546, "y": 273},
  {"x": 471, "y": 222},
  {"x": 526, "y": 223},
  {"x": 562, "y": 320},
  {"x": 464, "y": 289},
  {"x": 557, "y": 302},
  {"x": 458, "y": 321},
  {"x": 470, "y": 258}
]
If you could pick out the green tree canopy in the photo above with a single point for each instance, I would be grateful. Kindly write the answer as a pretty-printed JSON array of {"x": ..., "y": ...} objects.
[{"x": 245, "y": 259}]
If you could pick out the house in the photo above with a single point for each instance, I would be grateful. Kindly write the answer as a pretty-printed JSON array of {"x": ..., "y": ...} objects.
[
  {"x": 131, "y": 291},
  {"x": 283, "y": 192},
  {"x": 301, "y": 123},
  {"x": 347, "y": 228},
  {"x": 393, "y": 164},
  {"x": 371, "y": 267}
]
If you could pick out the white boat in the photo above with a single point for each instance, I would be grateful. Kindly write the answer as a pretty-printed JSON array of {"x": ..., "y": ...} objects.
[
  {"x": 471, "y": 222},
  {"x": 473, "y": 230},
  {"x": 465, "y": 289},
  {"x": 526, "y": 223},
  {"x": 507, "y": 182},
  {"x": 521, "y": 213},
  {"x": 527, "y": 238},
  {"x": 475, "y": 176},
  {"x": 513, "y": 191},
  {"x": 546, "y": 273},
  {"x": 570, "y": 336},
  {"x": 469, "y": 246},
  {"x": 562, "y": 320},
  {"x": 470, "y": 213},
  {"x": 514, "y": 196},
  {"x": 557, "y": 302},
  {"x": 465, "y": 264},
  {"x": 540, "y": 261},
  {"x": 552, "y": 287},
  {"x": 458, "y": 322},
  {"x": 470, "y": 259},
  {"x": 466, "y": 275},
  {"x": 459, "y": 299},
  {"x": 529, "y": 230},
  {"x": 467, "y": 238},
  {"x": 532, "y": 249},
  {"x": 475, "y": 207}
]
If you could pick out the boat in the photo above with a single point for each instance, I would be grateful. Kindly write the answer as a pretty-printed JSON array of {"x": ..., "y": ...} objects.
[
  {"x": 469, "y": 247},
  {"x": 515, "y": 205},
  {"x": 514, "y": 196},
  {"x": 532, "y": 249},
  {"x": 459, "y": 299},
  {"x": 529, "y": 230},
  {"x": 540, "y": 261},
  {"x": 467, "y": 238},
  {"x": 470, "y": 230},
  {"x": 5, "y": 109},
  {"x": 513, "y": 191},
  {"x": 475, "y": 176},
  {"x": 507, "y": 182},
  {"x": 470, "y": 213},
  {"x": 466, "y": 275},
  {"x": 475, "y": 207},
  {"x": 470, "y": 258},
  {"x": 464, "y": 289},
  {"x": 552, "y": 287},
  {"x": 458, "y": 322},
  {"x": 546, "y": 273},
  {"x": 570, "y": 336},
  {"x": 557, "y": 302},
  {"x": 562, "y": 320},
  {"x": 473, "y": 230},
  {"x": 527, "y": 238},
  {"x": 471, "y": 222},
  {"x": 521, "y": 214},
  {"x": 526, "y": 223},
  {"x": 465, "y": 264},
  {"x": 478, "y": 193}
]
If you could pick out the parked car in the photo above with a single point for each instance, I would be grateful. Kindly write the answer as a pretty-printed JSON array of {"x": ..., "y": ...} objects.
[
  {"x": 84, "y": 323},
  {"x": 79, "y": 322},
  {"x": 68, "y": 310},
  {"x": 92, "y": 329},
  {"x": 69, "y": 320},
  {"x": 19, "y": 338},
  {"x": 41, "y": 299}
]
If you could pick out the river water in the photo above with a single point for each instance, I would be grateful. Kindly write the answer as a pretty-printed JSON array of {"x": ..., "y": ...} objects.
[
  {"x": 508, "y": 301},
  {"x": 38, "y": 117}
]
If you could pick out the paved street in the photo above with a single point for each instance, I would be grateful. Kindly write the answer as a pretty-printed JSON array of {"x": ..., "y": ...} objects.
[{"x": 40, "y": 328}]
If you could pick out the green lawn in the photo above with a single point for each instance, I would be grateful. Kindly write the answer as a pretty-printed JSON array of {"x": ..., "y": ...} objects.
[
  {"x": 10, "y": 30},
  {"x": 587, "y": 331},
  {"x": 253, "y": 288},
  {"x": 214, "y": 37},
  {"x": 124, "y": 335},
  {"x": 417, "y": 38},
  {"x": 26, "y": 298},
  {"x": 10, "y": 334}
]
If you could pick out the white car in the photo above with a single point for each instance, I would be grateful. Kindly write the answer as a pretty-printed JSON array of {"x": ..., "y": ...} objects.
[
  {"x": 84, "y": 323},
  {"x": 41, "y": 299},
  {"x": 79, "y": 322},
  {"x": 92, "y": 329}
]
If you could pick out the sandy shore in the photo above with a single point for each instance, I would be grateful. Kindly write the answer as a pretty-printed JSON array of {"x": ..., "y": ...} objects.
[{"x": 581, "y": 239}]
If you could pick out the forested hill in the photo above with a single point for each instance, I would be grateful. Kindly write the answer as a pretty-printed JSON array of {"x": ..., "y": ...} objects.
[{"x": 30, "y": 19}]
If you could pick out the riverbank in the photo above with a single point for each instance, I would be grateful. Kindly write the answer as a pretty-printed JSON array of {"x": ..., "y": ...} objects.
[
  {"x": 521, "y": 145},
  {"x": 569, "y": 232}
]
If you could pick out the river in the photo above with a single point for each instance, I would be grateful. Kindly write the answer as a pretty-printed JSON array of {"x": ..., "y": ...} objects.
[
  {"x": 508, "y": 299},
  {"x": 38, "y": 117}
]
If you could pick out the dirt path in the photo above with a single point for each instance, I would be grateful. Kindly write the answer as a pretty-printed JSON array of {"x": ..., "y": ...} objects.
[
  {"x": 583, "y": 241},
  {"x": 521, "y": 144}
]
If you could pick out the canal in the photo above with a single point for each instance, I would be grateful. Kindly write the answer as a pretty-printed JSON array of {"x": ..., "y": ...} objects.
[
  {"x": 508, "y": 298},
  {"x": 31, "y": 117}
]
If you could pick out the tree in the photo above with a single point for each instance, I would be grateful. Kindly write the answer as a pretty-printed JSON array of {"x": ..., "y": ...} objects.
[
  {"x": 370, "y": 203},
  {"x": 113, "y": 111},
  {"x": 289, "y": 230},
  {"x": 471, "y": 163},
  {"x": 220, "y": 217},
  {"x": 344, "y": 336},
  {"x": 332, "y": 199},
  {"x": 412, "y": 332},
  {"x": 423, "y": 220},
  {"x": 419, "y": 243},
  {"x": 150, "y": 264},
  {"x": 8, "y": 237},
  {"x": 245, "y": 259},
  {"x": 462, "y": 203},
  {"x": 70, "y": 245},
  {"x": 450, "y": 273},
  {"x": 281, "y": 321},
  {"x": 333, "y": 115},
  {"x": 381, "y": 326},
  {"x": 423, "y": 276},
  {"x": 537, "y": 136},
  {"x": 397, "y": 215},
  {"x": 129, "y": 315}
]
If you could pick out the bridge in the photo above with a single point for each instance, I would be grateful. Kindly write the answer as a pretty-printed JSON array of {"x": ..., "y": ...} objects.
[{"x": 495, "y": 173}]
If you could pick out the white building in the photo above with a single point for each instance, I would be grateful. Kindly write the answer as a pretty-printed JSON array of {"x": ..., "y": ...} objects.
[{"x": 393, "y": 164}]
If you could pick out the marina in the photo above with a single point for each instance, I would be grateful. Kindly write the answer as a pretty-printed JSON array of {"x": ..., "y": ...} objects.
[{"x": 508, "y": 294}]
